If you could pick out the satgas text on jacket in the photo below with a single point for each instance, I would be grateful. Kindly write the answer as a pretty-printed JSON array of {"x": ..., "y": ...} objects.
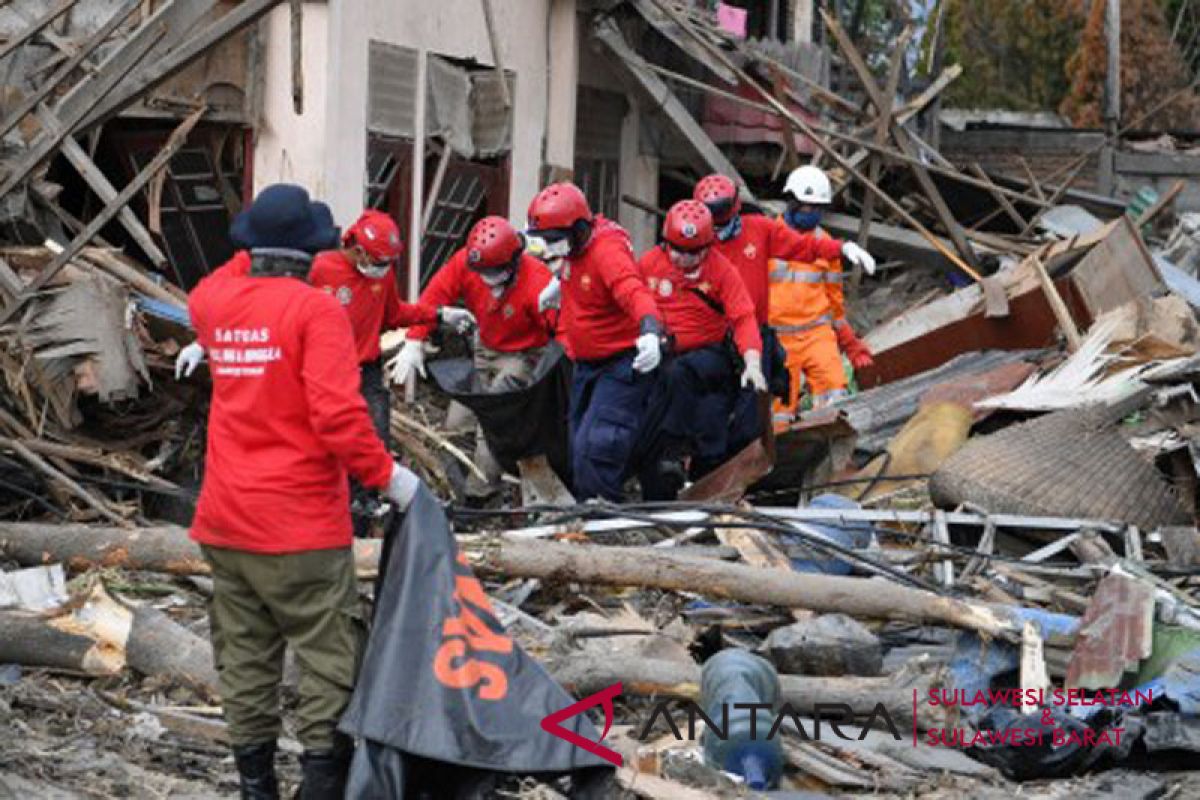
[{"x": 243, "y": 362}]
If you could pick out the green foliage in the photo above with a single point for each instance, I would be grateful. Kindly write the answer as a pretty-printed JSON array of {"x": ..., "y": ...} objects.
[{"x": 1012, "y": 52}]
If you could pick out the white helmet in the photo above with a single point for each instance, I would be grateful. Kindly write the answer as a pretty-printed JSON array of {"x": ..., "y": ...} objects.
[{"x": 809, "y": 185}]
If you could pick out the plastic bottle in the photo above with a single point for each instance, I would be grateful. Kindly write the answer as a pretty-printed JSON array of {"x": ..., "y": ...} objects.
[{"x": 732, "y": 677}]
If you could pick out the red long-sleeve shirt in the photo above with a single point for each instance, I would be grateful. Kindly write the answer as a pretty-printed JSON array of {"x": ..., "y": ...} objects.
[
  {"x": 373, "y": 304},
  {"x": 507, "y": 324},
  {"x": 286, "y": 422},
  {"x": 603, "y": 296},
  {"x": 691, "y": 319},
  {"x": 763, "y": 238}
]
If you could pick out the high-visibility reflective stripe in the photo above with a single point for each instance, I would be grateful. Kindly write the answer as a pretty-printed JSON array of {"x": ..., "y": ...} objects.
[
  {"x": 781, "y": 272},
  {"x": 824, "y": 319},
  {"x": 827, "y": 398}
]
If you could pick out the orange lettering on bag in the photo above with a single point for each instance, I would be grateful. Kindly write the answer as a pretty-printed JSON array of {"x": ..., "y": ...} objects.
[{"x": 491, "y": 680}]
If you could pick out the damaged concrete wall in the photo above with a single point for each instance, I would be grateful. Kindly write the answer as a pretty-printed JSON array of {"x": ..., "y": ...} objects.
[{"x": 325, "y": 148}]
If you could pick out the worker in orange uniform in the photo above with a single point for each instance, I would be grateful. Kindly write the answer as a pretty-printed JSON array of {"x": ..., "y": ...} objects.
[
  {"x": 360, "y": 275},
  {"x": 501, "y": 286},
  {"x": 807, "y": 308},
  {"x": 751, "y": 242},
  {"x": 703, "y": 302}
]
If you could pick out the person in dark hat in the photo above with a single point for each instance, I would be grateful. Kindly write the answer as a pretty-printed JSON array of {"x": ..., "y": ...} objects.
[{"x": 286, "y": 425}]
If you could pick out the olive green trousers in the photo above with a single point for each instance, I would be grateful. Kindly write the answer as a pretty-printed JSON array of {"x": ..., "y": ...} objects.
[{"x": 262, "y": 604}]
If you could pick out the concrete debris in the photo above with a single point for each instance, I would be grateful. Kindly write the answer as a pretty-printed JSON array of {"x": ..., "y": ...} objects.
[{"x": 831, "y": 644}]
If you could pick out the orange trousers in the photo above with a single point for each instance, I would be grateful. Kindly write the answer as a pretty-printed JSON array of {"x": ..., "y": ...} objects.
[{"x": 814, "y": 361}]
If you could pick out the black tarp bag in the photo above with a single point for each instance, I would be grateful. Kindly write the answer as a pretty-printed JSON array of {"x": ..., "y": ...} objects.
[
  {"x": 519, "y": 423},
  {"x": 441, "y": 685}
]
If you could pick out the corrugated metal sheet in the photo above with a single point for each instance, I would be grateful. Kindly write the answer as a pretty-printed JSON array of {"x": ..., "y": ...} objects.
[
  {"x": 391, "y": 89},
  {"x": 1115, "y": 634},
  {"x": 598, "y": 118},
  {"x": 491, "y": 120}
]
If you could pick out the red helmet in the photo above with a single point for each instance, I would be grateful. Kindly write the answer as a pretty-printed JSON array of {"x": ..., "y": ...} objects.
[
  {"x": 689, "y": 226},
  {"x": 376, "y": 233},
  {"x": 559, "y": 205},
  {"x": 720, "y": 194},
  {"x": 492, "y": 243}
]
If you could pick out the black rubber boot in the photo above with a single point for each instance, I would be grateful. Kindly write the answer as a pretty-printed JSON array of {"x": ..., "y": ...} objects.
[
  {"x": 325, "y": 770},
  {"x": 256, "y": 770}
]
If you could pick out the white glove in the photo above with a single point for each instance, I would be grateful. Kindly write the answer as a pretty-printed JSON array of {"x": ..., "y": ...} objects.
[
  {"x": 458, "y": 318},
  {"x": 752, "y": 375},
  {"x": 402, "y": 488},
  {"x": 410, "y": 359},
  {"x": 649, "y": 352},
  {"x": 188, "y": 359},
  {"x": 551, "y": 296},
  {"x": 856, "y": 255}
]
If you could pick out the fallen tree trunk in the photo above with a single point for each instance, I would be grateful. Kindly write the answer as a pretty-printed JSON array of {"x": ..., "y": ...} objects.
[
  {"x": 659, "y": 678},
  {"x": 33, "y": 640},
  {"x": 165, "y": 549},
  {"x": 169, "y": 550},
  {"x": 660, "y": 569},
  {"x": 158, "y": 645},
  {"x": 100, "y": 636}
]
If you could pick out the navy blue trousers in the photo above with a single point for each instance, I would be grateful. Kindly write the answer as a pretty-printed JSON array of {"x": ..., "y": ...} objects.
[{"x": 611, "y": 408}]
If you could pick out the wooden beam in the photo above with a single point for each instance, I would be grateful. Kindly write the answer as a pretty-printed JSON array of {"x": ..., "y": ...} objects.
[
  {"x": 607, "y": 33},
  {"x": 1053, "y": 199},
  {"x": 104, "y": 189},
  {"x": 1055, "y": 301},
  {"x": 1168, "y": 197},
  {"x": 100, "y": 84},
  {"x": 808, "y": 131},
  {"x": 859, "y": 65},
  {"x": 36, "y": 27},
  {"x": 998, "y": 196},
  {"x": 50, "y": 84},
  {"x": 139, "y": 83},
  {"x": 179, "y": 17},
  {"x": 883, "y": 124},
  {"x": 160, "y": 160}
]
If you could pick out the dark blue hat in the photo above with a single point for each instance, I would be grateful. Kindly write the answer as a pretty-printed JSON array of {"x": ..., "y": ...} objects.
[{"x": 283, "y": 216}]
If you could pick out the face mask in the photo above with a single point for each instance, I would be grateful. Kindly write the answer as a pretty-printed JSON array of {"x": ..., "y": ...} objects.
[
  {"x": 730, "y": 230},
  {"x": 559, "y": 248},
  {"x": 374, "y": 271},
  {"x": 688, "y": 262},
  {"x": 496, "y": 278},
  {"x": 803, "y": 220}
]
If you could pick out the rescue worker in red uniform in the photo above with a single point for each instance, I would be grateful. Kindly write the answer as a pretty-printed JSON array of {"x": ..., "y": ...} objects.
[
  {"x": 361, "y": 277},
  {"x": 703, "y": 302},
  {"x": 286, "y": 424},
  {"x": 613, "y": 332},
  {"x": 500, "y": 285}
]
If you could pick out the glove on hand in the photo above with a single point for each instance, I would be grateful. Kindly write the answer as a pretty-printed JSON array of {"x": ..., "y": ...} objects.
[
  {"x": 856, "y": 255},
  {"x": 188, "y": 359},
  {"x": 854, "y": 348},
  {"x": 410, "y": 360},
  {"x": 752, "y": 375}
]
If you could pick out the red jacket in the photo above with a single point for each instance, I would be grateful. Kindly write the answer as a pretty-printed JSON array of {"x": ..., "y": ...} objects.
[
  {"x": 287, "y": 420},
  {"x": 373, "y": 303},
  {"x": 603, "y": 296},
  {"x": 692, "y": 320},
  {"x": 508, "y": 324},
  {"x": 763, "y": 238}
]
